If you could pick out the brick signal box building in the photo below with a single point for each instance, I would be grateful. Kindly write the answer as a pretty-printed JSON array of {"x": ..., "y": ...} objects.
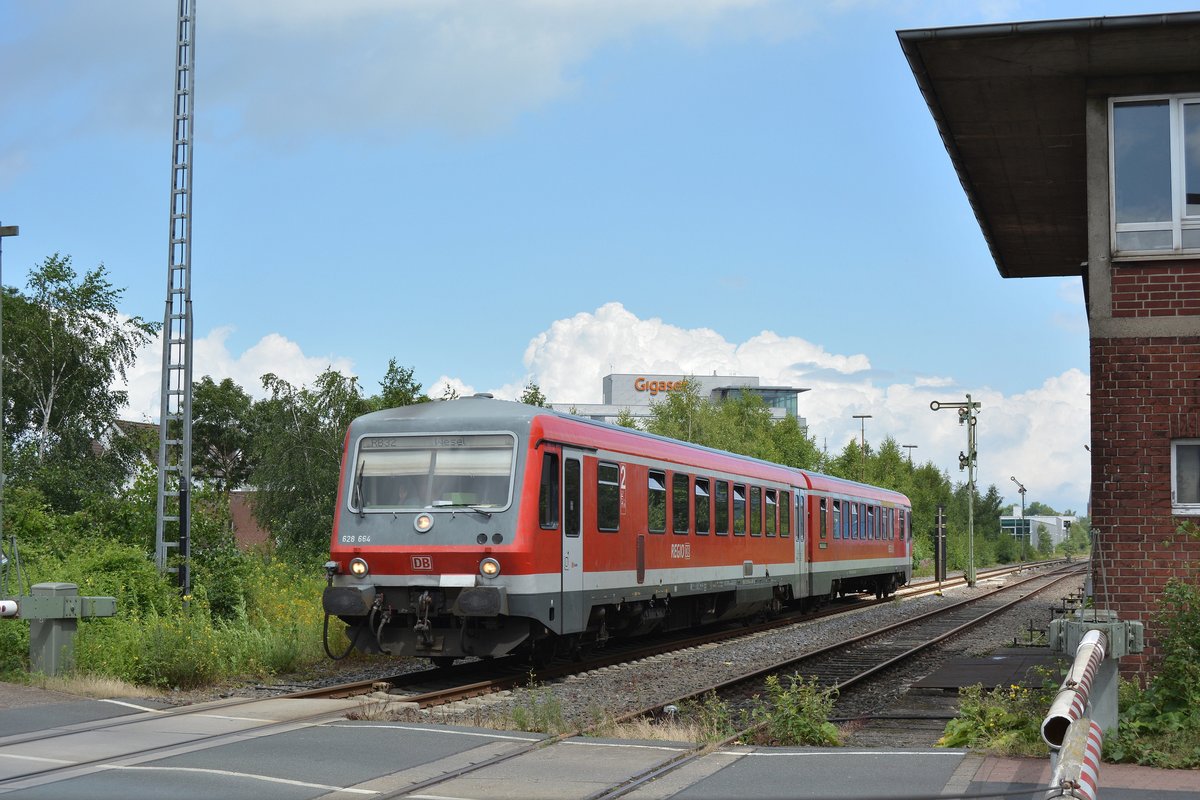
[{"x": 1078, "y": 145}]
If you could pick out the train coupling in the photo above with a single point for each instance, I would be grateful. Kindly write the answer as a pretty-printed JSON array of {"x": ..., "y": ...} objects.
[{"x": 423, "y": 628}]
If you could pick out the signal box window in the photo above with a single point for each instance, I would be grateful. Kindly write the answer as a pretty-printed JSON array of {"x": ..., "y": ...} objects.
[
  {"x": 608, "y": 497},
  {"x": 1185, "y": 476},
  {"x": 785, "y": 514},
  {"x": 679, "y": 503},
  {"x": 700, "y": 492},
  {"x": 739, "y": 510},
  {"x": 837, "y": 519},
  {"x": 770, "y": 517},
  {"x": 721, "y": 507},
  {"x": 1156, "y": 174},
  {"x": 656, "y": 502},
  {"x": 548, "y": 492}
]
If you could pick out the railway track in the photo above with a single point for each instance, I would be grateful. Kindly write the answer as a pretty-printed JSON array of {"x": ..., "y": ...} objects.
[
  {"x": 433, "y": 687},
  {"x": 842, "y": 666}
]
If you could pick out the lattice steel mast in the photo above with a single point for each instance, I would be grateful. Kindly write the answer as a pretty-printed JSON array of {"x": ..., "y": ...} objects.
[{"x": 175, "y": 419}]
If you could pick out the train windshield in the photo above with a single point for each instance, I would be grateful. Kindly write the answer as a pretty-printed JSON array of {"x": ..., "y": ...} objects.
[{"x": 413, "y": 472}]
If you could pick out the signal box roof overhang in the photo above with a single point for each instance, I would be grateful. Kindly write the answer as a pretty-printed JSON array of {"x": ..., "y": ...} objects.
[{"x": 1009, "y": 104}]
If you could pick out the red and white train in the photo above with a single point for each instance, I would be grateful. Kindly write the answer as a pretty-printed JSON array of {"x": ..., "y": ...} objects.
[{"x": 480, "y": 527}]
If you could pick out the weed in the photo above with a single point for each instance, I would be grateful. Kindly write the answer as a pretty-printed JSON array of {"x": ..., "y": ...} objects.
[{"x": 795, "y": 714}]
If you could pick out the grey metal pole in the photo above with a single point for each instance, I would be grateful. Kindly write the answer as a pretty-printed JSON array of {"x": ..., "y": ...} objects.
[{"x": 967, "y": 461}]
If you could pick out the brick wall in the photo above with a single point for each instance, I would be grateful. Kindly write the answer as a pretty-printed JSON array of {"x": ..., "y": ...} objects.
[
  {"x": 1167, "y": 290},
  {"x": 1145, "y": 392}
]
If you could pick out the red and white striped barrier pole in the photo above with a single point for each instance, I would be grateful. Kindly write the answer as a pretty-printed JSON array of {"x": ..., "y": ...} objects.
[
  {"x": 1072, "y": 700},
  {"x": 1078, "y": 770}
]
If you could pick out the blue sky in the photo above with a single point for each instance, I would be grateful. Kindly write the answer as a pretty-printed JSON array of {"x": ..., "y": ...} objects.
[{"x": 494, "y": 192}]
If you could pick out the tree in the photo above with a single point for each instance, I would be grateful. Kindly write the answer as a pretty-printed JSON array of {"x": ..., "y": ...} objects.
[
  {"x": 1045, "y": 544},
  {"x": 681, "y": 415},
  {"x": 221, "y": 433},
  {"x": 297, "y": 452},
  {"x": 65, "y": 345},
  {"x": 1036, "y": 509},
  {"x": 626, "y": 419},
  {"x": 398, "y": 388},
  {"x": 532, "y": 396}
]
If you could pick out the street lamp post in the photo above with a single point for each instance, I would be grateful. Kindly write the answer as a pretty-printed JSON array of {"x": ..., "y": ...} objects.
[
  {"x": 1024, "y": 526},
  {"x": 909, "y": 448},
  {"x": 862, "y": 445},
  {"x": 967, "y": 415},
  {"x": 5, "y": 230}
]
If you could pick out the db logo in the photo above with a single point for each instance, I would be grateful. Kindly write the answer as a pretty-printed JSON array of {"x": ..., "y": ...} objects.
[{"x": 424, "y": 563}]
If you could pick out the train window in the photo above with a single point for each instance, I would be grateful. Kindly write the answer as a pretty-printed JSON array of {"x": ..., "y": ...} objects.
[
  {"x": 700, "y": 494},
  {"x": 871, "y": 522},
  {"x": 608, "y": 497},
  {"x": 854, "y": 520},
  {"x": 721, "y": 507},
  {"x": 785, "y": 514},
  {"x": 548, "y": 492},
  {"x": 769, "y": 516},
  {"x": 755, "y": 511},
  {"x": 573, "y": 494},
  {"x": 824, "y": 522},
  {"x": 656, "y": 502},
  {"x": 739, "y": 510},
  {"x": 837, "y": 519},
  {"x": 680, "y": 507},
  {"x": 408, "y": 472}
]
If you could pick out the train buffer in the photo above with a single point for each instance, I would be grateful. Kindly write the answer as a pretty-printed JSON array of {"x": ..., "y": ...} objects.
[{"x": 54, "y": 611}]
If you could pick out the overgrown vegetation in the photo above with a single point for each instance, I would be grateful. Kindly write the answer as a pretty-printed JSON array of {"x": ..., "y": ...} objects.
[
  {"x": 794, "y": 712},
  {"x": 1160, "y": 724},
  {"x": 1004, "y": 720}
]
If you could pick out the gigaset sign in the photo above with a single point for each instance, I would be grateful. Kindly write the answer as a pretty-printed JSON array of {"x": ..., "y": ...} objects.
[{"x": 640, "y": 384}]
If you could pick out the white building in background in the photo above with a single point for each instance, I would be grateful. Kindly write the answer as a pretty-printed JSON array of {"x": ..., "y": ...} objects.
[
  {"x": 636, "y": 392},
  {"x": 1059, "y": 527}
]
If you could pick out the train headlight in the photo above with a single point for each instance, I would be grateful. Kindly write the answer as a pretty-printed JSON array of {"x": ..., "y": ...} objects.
[
  {"x": 423, "y": 523},
  {"x": 359, "y": 568},
  {"x": 489, "y": 568}
]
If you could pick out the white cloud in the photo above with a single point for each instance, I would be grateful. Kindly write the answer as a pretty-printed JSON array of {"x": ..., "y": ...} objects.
[
  {"x": 1037, "y": 435},
  {"x": 211, "y": 356},
  {"x": 372, "y": 68}
]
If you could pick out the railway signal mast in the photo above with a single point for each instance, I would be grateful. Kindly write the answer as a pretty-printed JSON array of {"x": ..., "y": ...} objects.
[
  {"x": 967, "y": 415},
  {"x": 175, "y": 418}
]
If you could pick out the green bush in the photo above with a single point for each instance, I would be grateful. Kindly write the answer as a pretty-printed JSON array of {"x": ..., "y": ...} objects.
[
  {"x": 1160, "y": 725},
  {"x": 795, "y": 714},
  {"x": 1007, "y": 721}
]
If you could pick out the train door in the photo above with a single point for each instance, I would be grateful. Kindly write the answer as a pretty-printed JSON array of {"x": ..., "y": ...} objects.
[
  {"x": 799, "y": 509},
  {"x": 571, "y": 602}
]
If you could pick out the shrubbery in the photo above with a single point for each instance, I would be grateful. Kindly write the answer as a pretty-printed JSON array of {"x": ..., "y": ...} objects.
[{"x": 249, "y": 614}]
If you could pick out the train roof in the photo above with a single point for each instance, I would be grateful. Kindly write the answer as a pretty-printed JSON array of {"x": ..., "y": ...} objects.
[{"x": 483, "y": 412}]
